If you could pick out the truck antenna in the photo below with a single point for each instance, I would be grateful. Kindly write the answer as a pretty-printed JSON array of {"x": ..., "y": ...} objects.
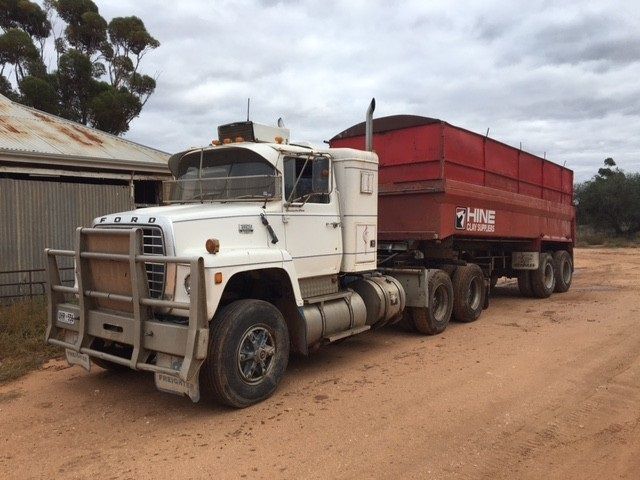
[
  {"x": 248, "y": 107},
  {"x": 487, "y": 134}
]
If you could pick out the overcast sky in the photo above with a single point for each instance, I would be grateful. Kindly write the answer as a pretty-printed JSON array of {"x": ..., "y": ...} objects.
[{"x": 560, "y": 77}]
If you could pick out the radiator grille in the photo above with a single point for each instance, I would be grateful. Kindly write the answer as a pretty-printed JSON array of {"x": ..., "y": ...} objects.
[{"x": 153, "y": 244}]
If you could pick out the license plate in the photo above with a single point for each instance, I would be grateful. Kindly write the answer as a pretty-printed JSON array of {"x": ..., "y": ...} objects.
[
  {"x": 77, "y": 358},
  {"x": 68, "y": 318}
]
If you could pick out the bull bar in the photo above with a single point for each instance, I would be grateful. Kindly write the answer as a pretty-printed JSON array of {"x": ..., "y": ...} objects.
[{"x": 133, "y": 324}]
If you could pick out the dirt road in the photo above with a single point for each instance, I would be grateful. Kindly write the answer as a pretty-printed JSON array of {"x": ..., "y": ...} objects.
[{"x": 534, "y": 389}]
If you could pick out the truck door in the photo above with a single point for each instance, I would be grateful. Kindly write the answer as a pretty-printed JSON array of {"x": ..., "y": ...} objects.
[{"x": 312, "y": 216}]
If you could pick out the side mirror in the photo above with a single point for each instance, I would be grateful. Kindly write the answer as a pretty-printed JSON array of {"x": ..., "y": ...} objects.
[{"x": 321, "y": 175}]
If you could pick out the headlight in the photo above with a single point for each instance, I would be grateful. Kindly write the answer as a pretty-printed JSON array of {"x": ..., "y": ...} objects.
[{"x": 187, "y": 284}]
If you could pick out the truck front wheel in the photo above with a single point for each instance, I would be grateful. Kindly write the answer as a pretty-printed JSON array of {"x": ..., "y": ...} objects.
[
  {"x": 248, "y": 353},
  {"x": 435, "y": 318},
  {"x": 468, "y": 293}
]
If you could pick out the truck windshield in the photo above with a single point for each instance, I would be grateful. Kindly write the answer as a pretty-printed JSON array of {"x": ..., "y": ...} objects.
[{"x": 222, "y": 175}]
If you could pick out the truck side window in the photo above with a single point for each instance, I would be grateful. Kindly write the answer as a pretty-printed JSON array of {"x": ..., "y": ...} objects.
[{"x": 293, "y": 167}]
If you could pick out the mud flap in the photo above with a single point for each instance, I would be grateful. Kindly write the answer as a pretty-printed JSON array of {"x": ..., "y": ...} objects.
[
  {"x": 77, "y": 358},
  {"x": 172, "y": 383}
]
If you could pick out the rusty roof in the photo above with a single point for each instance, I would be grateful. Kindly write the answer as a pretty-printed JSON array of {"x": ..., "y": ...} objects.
[{"x": 30, "y": 136}]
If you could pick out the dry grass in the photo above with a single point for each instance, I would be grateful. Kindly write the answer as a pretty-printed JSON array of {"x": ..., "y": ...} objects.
[
  {"x": 587, "y": 237},
  {"x": 22, "y": 346}
]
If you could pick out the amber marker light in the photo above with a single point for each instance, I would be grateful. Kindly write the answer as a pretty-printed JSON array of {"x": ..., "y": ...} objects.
[
  {"x": 212, "y": 245},
  {"x": 218, "y": 278},
  {"x": 239, "y": 139},
  {"x": 215, "y": 143},
  {"x": 226, "y": 141},
  {"x": 279, "y": 140}
]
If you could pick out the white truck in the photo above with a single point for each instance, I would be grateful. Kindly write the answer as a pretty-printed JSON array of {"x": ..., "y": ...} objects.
[{"x": 262, "y": 247}]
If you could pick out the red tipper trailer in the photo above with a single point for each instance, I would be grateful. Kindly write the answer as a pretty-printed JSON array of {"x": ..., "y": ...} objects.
[
  {"x": 437, "y": 181},
  {"x": 455, "y": 195}
]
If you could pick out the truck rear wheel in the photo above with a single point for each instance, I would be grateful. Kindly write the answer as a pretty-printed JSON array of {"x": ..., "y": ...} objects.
[
  {"x": 563, "y": 266},
  {"x": 468, "y": 293},
  {"x": 543, "y": 280},
  {"x": 248, "y": 353},
  {"x": 435, "y": 318},
  {"x": 524, "y": 283}
]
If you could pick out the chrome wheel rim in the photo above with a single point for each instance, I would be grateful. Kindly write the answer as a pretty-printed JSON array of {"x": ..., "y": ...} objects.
[
  {"x": 548, "y": 276},
  {"x": 474, "y": 294},
  {"x": 256, "y": 352},
  {"x": 439, "y": 303},
  {"x": 566, "y": 272}
]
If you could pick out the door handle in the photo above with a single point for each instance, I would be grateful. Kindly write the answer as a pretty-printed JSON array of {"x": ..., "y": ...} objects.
[{"x": 333, "y": 224}]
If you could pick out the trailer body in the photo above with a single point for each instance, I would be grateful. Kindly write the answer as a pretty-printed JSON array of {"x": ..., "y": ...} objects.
[{"x": 439, "y": 182}]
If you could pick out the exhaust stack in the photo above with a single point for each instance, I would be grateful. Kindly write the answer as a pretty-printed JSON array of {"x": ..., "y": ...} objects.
[{"x": 369, "y": 126}]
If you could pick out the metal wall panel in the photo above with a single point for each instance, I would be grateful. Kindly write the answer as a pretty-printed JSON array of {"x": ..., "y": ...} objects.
[{"x": 35, "y": 214}]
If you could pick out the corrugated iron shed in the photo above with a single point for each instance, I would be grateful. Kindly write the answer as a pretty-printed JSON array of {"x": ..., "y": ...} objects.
[
  {"x": 56, "y": 175},
  {"x": 30, "y": 136}
]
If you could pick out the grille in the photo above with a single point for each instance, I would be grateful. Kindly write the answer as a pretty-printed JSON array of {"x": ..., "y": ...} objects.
[{"x": 153, "y": 244}]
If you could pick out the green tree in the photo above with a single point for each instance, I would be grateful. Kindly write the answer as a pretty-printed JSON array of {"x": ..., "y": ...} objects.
[
  {"x": 96, "y": 78},
  {"x": 610, "y": 201}
]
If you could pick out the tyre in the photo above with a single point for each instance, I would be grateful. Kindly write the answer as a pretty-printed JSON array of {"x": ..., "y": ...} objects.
[
  {"x": 435, "y": 318},
  {"x": 524, "y": 283},
  {"x": 543, "y": 280},
  {"x": 468, "y": 293},
  {"x": 248, "y": 353},
  {"x": 563, "y": 267}
]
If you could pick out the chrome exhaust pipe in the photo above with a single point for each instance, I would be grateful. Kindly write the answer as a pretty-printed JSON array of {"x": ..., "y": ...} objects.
[{"x": 369, "y": 126}]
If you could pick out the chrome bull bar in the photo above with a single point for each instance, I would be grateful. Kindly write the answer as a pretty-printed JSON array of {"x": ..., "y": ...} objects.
[{"x": 125, "y": 316}]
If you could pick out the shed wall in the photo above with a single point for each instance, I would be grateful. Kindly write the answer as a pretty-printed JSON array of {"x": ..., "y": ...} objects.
[{"x": 35, "y": 214}]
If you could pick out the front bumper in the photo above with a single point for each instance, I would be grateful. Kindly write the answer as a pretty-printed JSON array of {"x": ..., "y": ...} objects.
[{"x": 113, "y": 304}]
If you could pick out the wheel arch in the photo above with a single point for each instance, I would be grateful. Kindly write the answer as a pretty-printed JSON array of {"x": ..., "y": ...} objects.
[{"x": 276, "y": 286}]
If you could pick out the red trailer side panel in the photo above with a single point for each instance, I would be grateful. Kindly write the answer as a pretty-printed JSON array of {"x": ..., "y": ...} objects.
[{"x": 439, "y": 181}]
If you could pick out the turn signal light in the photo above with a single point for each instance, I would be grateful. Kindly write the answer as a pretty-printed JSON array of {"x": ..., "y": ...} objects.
[
  {"x": 212, "y": 245},
  {"x": 218, "y": 278}
]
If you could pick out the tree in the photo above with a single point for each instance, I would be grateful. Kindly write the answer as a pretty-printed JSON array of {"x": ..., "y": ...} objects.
[
  {"x": 96, "y": 78},
  {"x": 610, "y": 201}
]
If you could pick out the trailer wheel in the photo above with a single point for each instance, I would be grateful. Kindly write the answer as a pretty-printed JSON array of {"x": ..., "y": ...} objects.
[
  {"x": 563, "y": 266},
  {"x": 468, "y": 293},
  {"x": 543, "y": 280},
  {"x": 435, "y": 318},
  {"x": 524, "y": 283},
  {"x": 248, "y": 353}
]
